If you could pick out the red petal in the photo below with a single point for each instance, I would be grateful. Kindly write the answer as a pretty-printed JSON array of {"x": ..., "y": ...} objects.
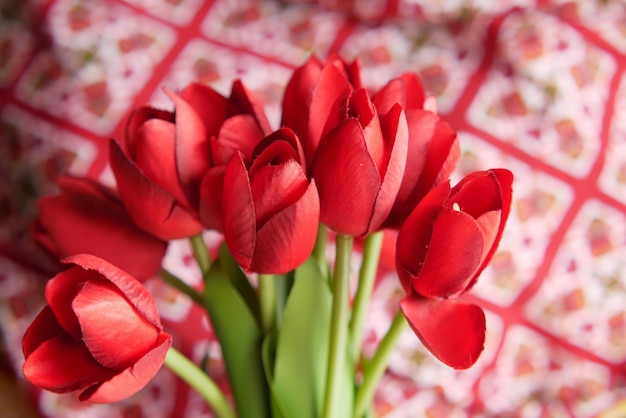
[
  {"x": 329, "y": 106},
  {"x": 115, "y": 334},
  {"x": 415, "y": 234},
  {"x": 89, "y": 224},
  {"x": 441, "y": 151},
  {"x": 155, "y": 155},
  {"x": 210, "y": 207},
  {"x": 44, "y": 327},
  {"x": 454, "y": 332},
  {"x": 288, "y": 238},
  {"x": 248, "y": 103},
  {"x": 131, "y": 288},
  {"x": 454, "y": 253},
  {"x": 131, "y": 380},
  {"x": 62, "y": 364},
  {"x": 209, "y": 107},
  {"x": 151, "y": 207},
  {"x": 395, "y": 133},
  {"x": 238, "y": 215},
  {"x": 298, "y": 94},
  {"x": 505, "y": 180},
  {"x": 61, "y": 290},
  {"x": 137, "y": 118},
  {"x": 240, "y": 133},
  {"x": 83, "y": 186},
  {"x": 347, "y": 179},
  {"x": 275, "y": 187},
  {"x": 407, "y": 91},
  {"x": 192, "y": 150}
]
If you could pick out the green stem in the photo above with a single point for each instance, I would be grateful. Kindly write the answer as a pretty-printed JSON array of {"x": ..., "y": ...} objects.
[
  {"x": 376, "y": 368},
  {"x": 200, "y": 381},
  {"x": 319, "y": 251},
  {"x": 367, "y": 277},
  {"x": 339, "y": 325},
  {"x": 267, "y": 301},
  {"x": 177, "y": 283},
  {"x": 201, "y": 252}
]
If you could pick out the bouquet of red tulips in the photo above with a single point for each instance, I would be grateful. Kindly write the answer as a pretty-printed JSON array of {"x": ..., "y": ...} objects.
[{"x": 345, "y": 165}]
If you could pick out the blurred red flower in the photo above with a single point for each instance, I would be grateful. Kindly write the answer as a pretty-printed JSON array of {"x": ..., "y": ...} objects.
[{"x": 89, "y": 218}]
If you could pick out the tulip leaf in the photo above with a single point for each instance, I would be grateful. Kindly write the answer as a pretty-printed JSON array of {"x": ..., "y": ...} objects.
[
  {"x": 240, "y": 337},
  {"x": 283, "y": 285},
  {"x": 268, "y": 352},
  {"x": 239, "y": 279},
  {"x": 301, "y": 359}
]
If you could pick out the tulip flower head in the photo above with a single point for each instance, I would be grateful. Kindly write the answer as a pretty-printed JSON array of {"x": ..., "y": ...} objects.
[
  {"x": 270, "y": 207},
  {"x": 100, "y": 334},
  {"x": 442, "y": 248}
]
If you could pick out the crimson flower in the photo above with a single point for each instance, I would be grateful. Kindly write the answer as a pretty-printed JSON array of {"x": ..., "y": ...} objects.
[
  {"x": 361, "y": 156},
  {"x": 89, "y": 218},
  {"x": 316, "y": 97},
  {"x": 167, "y": 155},
  {"x": 433, "y": 147},
  {"x": 100, "y": 334},
  {"x": 442, "y": 247},
  {"x": 270, "y": 207}
]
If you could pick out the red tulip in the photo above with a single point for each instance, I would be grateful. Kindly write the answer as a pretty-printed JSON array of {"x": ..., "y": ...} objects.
[
  {"x": 359, "y": 165},
  {"x": 168, "y": 154},
  {"x": 316, "y": 99},
  {"x": 270, "y": 207},
  {"x": 433, "y": 147},
  {"x": 442, "y": 247},
  {"x": 89, "y": 218},
  {"x": 100, "y": 334}
]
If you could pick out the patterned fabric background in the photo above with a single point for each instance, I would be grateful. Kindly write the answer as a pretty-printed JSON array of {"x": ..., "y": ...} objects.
[{"x": 538, "y": 87}]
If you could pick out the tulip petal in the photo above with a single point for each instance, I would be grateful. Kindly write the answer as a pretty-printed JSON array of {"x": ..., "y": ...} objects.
[
  {"x": 131, "y": 288},
  {"x": 62, "y": 364},
  {"x": 248, "y": 103},
  {"x": 207, "y": 106},
  {"x": 505, "y": 180},
  {"x": 44, "y": 327},
  {"x": 238, "y": 215},
  {"x": 132, "y": 379},
  {"x": 86, "y": 223},
  {"x": 454, "y": 253},
  {"x": 453, "y": 331},
  {"x": 151, "y": 207},
  {"x": 210, "y": 205},
  {"x": 440, "y": 160},
  {"x": 275, "y": 187},
  {"x": 415, "y": 234},
  {"x": 329, "y": 106},
  {"x": 288, "y": 238},
  {"x": 406, "y": 90},
  {"x": 396, "y": 135},
  {"x": 115, "y": 334},
  {"x": 191, "y": 144},
  {"x": 137, "y": 118},
  {"x": 61, "y": 290},
  {"x": 155, "y": 145},
  {"x": 239, "y": 133},
  {"x": 298, "y": 94},
  {"x": 347, "y": 179}
]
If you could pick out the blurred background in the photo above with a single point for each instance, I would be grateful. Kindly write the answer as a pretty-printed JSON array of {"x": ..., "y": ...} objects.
[{"x": 536, "y": 86}]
